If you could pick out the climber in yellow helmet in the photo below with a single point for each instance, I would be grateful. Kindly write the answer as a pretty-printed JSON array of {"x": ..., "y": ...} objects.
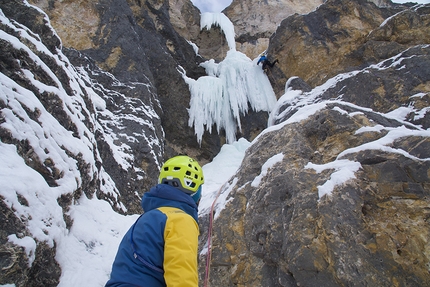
[{"x": 160, "y": 249}]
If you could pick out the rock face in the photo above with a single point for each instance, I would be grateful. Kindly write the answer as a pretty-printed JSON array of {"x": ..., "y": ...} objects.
[
  {"x": 80, "y": 129},
  {"x": 341, "y": 36},
  {"x": 142, "y": 41},
  {"x": 345, "y": 200},
  {"x": 255, "y": 21},
  {"x": 119, "y": 118}
]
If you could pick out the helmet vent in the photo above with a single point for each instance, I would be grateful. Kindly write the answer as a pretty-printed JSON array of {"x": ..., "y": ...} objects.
[{"x": 182, "y": 172}]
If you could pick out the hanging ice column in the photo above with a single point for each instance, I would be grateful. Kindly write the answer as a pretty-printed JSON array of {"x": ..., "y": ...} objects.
[{"x": 223, "y": 95}]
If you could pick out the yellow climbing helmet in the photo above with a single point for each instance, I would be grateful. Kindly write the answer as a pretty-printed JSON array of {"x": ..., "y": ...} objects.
[{"x": 182, "y": 172}]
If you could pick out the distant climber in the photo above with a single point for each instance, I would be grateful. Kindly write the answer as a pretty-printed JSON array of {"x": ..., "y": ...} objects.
[{"x": 265, "y": 62}]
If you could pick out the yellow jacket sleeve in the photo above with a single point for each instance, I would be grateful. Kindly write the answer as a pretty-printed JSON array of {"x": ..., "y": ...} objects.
[{"x": 180, "y": 248}]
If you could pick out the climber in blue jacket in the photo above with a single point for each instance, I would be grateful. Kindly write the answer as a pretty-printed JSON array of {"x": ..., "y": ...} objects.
[
  {"x": 160, "y": 249},
  {"x": 265, "y": 62}
]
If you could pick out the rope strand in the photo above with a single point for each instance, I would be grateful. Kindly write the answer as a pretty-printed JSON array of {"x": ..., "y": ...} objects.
[{"x": 209, "y": 256}]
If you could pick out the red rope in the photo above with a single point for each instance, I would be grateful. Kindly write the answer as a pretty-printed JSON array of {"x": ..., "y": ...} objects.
[{"x": 209, "y": 256}]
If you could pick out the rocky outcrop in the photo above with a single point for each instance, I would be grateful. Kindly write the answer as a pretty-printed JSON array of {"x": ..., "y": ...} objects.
[
  {"x": 78, "y": 129},
  {"x": 142, "y": 41},
  {"x": 337, "y": 193},
  {"x": 44, "y": 271},
  {"x": 129, "y": 138},
  {"x": 119, "y": 119},
  {"x": 384, "y": 87},
  {"x": 256, "y": 21},
  {"x": 340, "y": 36},
  {"x": 185, "y": 18},
  {"x": 212, "y": 44},
  {"x": 405, "y": 29}
]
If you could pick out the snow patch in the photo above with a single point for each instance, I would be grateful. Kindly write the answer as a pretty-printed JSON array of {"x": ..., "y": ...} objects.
[
  {"x": 265, "y": 168},
  {"x": 29, "y": 246},
  {"x": 219, "y": 171},
  {"x": 344, "y": 171}
]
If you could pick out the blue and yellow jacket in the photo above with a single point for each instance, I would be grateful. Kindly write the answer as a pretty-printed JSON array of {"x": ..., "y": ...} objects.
[{"x": 160, "y": 249}]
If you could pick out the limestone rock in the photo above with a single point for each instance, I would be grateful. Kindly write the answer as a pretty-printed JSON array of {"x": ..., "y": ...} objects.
[
  {"x": 130, "y": 121},
  {"x": 256, "y": 21},
  {"x": 383, "y": 87},
  {"x": 212, "y": 44},
  {"x": 76, "y": 22},
  {"x": 46, "y": 100},
  {"x": 13, "y": 258},
  {"x": 287, "y": 230},
  {"x": 340, "y": 36},
  {"x": 185, "y": 18},
  {"x": 262, "y": 17},
  {"x": 405, "y": 29},
  {"x": 281, "y": 234},
  {"x": 142, "y": 41},
  {"x": 315, "y": 46}
]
